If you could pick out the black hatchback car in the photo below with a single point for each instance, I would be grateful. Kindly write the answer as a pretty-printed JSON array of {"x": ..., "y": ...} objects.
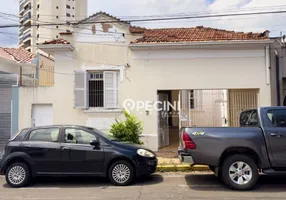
[{"x": 67, "y": 150}]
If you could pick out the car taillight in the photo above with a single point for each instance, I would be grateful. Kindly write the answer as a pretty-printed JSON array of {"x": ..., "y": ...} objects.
[{"x": 189, "y": 143}]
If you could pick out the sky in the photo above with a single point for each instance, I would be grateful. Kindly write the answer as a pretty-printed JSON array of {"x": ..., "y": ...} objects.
[{"x": 275, "y": 23}]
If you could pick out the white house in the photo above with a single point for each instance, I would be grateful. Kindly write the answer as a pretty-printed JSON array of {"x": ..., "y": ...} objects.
[{"x": 212, "y": 74}]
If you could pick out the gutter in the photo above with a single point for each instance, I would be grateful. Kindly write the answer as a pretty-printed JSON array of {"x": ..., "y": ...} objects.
[
  {"x": 136, "y": 45},
  {"x": 56, "y": 46},
  {"x": 277, "y": 79}
]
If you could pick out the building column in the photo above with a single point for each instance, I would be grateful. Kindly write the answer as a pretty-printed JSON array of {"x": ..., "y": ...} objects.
[{"x": 15, "y": 110}]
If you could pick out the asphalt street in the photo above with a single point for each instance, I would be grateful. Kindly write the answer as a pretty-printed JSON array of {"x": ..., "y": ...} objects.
[{"x": 199, "y": 186}]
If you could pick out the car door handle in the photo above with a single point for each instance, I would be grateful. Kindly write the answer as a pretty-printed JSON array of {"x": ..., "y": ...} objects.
[
  {"x": 65, "y": 148},
  {"x": 276, "y": 135}
]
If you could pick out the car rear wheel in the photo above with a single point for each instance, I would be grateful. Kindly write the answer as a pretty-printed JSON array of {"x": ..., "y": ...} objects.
[
  {"x": 121, "y": 173},
  {"x": 239, "y": 172},
  {"x": 17, "y": 175}
]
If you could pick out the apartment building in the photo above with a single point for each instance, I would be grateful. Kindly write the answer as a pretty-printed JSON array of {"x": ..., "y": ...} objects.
[{"x": 34, "y": 12}]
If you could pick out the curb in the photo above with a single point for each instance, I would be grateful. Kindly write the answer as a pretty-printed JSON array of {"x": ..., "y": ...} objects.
[{"x": 181, "y": 168}]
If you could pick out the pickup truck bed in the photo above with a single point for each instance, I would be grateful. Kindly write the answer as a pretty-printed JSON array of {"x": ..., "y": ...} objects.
[
  {"x": 259, "y": 144},
  {"x": 211, "y": 143}
]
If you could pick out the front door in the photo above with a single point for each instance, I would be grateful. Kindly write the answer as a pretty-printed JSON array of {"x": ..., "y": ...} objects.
[
  {"x": 44, "y": 147},
  {"x": 276, "y": 134},
  {"x": 163, "y": 124},
  {"x": 78, "y": 156}
]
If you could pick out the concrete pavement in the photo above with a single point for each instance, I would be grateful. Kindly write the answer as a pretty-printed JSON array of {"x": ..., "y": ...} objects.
[{"x": 198, "y": 186}]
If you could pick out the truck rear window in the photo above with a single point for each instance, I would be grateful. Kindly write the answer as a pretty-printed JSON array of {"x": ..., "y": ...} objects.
[{"x": 249, "y": 118}]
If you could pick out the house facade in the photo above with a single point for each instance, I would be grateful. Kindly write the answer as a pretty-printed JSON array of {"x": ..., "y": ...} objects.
[{"x": 100, "y": 69}]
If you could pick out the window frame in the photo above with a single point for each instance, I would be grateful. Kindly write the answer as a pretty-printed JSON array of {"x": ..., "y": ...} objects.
[
  {"x": 81, "y": 86},
  {"x": 103, "y": 72},
  {"x": 27, "y": 137}
]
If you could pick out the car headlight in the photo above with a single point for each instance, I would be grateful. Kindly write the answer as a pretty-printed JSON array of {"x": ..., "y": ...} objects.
[{"x": 145, "y": 153}]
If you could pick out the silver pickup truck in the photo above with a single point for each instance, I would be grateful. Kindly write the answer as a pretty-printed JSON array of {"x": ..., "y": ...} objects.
[{"x": 238, "y": 154}]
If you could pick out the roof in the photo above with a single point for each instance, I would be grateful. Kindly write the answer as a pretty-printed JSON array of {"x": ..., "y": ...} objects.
[
  {"x": 132, "y": 29},
  {"x": 102, "y": 13},
  {"x": 19, "y": 55},
  {"x": 196, "y": 34},
  {"x": 57, "y": 41}
]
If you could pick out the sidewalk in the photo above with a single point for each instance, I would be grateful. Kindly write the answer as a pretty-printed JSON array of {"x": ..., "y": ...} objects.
[{"x": 174, "y": 164}]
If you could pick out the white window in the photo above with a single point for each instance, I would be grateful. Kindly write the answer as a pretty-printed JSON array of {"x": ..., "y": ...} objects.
[{"x": 96, "y": 89}]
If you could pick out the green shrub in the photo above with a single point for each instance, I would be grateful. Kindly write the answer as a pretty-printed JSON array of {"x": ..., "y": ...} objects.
[{"x": 128, "y": 130}]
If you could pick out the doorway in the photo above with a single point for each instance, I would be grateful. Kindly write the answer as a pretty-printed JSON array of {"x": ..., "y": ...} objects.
[{"x": 168, "y": 123}]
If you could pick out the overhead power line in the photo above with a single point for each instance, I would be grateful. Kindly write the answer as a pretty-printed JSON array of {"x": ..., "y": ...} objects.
[{"x": 151, "y": 19}]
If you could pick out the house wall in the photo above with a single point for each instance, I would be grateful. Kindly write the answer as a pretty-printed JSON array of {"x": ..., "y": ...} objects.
[
  {"x": 172, "y": 70},
  {"x": 148, "y": 72}
]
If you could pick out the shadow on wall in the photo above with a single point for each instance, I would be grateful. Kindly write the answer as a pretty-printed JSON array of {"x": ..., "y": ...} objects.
[{"x": 284, "y": 102}]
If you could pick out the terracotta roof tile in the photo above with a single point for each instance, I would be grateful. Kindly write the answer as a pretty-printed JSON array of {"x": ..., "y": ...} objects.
[
  {"x": 19, "y": 55},
  {"x": 66, "y": 33},
  {"x": 196, "y": 34},
  {"x": 136, "y": 29},
  {"x": 57, "y": 41}
]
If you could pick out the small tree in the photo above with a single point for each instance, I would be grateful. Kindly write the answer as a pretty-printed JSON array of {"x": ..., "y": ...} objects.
[{"x": 128, "y": 130}]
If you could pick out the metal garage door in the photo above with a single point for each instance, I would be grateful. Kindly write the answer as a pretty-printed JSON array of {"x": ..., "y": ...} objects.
[
  {"x": 6, "y": 82},
  {"x": 43, "y": 114}
]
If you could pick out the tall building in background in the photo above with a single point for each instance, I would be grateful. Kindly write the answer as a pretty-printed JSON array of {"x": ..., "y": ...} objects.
[{"x": 33, "y": 12}]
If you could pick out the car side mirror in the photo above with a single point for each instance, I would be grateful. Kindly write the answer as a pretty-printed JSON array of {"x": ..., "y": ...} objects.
[{"x": 95, "y": 142}]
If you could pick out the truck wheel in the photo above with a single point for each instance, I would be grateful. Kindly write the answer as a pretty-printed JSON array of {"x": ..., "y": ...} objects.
[{"x": 239, "y": 172}]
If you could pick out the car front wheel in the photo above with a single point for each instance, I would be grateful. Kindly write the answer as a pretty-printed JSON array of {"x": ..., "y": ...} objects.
[
  {"x": 239, "y": 172},
  {"x": 121, "y": 173},
  {"x": 17, "y": 175}
]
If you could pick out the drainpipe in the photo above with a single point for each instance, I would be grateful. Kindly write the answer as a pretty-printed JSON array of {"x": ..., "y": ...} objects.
[{"x": 277, "y": 80}]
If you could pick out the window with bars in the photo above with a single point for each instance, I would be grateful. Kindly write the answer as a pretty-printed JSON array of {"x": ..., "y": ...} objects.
[{"x": 96, "y": 89}]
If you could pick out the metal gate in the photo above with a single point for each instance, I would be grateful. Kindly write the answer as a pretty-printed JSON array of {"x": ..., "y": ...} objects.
[
  {"x": 163, "y": 125},
  {"x": 240, "y": 100},
  {"x": 6, "y": 83},
  {"x": 214, "y": 108}
]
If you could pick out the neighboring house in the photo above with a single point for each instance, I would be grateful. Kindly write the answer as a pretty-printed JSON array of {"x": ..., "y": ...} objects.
[
  {"x": 278, "y": 71},
  {"x": 213, "y": 73},
  {"x": 19, "y": 67},
  {"x": 13, "y": 63}
]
